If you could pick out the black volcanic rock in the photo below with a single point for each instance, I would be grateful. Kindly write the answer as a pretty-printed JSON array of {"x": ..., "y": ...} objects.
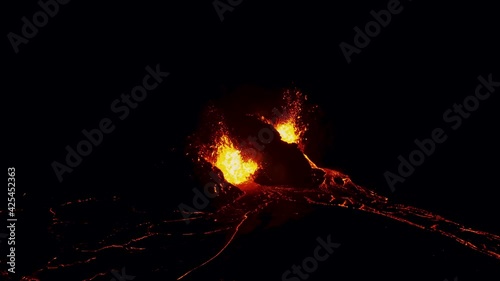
[
  {"x": 284, "y": 164},
  {"x": 210, "y": 180}
]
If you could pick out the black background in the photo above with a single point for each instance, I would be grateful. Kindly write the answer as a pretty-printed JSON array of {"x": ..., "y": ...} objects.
[{"x": 395, "y": 90}]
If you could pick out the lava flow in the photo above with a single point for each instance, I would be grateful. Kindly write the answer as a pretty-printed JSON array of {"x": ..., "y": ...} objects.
[
  {"x": 336, "y": 190},
  {"x": 241, "y": 200}
]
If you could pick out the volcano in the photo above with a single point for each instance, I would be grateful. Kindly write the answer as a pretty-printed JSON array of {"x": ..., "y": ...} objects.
[
  {"x": 256, "y": 178},
  {"x": 278, "y": 171}
]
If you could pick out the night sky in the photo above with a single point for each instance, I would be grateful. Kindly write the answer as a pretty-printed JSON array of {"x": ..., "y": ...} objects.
[{"x": 394, "y": 90}]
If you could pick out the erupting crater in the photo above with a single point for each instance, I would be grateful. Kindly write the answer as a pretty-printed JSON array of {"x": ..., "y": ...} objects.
[{"x": 279, "y": 172}]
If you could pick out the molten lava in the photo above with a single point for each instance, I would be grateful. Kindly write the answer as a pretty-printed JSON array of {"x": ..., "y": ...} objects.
[
  {"x": 229, "y": 160},
  {"x": 289, "y": 123}
]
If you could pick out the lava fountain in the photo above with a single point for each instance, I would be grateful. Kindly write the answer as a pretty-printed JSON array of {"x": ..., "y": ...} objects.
[
  {"x": 229, "y": 160},
  {"x": 289, "y": 123}
]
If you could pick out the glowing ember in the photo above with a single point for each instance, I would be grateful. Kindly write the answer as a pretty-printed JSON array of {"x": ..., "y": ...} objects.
[{"x": 229, "y": 160}]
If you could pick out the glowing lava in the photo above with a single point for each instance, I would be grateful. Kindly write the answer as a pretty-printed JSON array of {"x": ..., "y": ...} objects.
[
  {"x": 288, "y": 132},
  {"x": 289, "y": 123},
  {"x": 229, "y": 160}
]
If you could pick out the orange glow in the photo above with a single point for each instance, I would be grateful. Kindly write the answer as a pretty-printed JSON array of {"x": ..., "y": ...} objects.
[
  {"x": 288, "y": 122},
  {"x": 227, "y": 157},
  {"x": 288, "y": 132},
  {"x": 229, "y": 160}
]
